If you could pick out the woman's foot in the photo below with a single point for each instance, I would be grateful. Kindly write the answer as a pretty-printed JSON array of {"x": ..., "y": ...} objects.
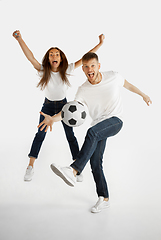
[{"x": 29, "y": 173}]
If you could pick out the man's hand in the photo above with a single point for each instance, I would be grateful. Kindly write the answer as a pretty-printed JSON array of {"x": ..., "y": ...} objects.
[
  {"x": 147, "y": 100},
  {"x": 134, "y": 89},
  {"x": 46, "y": 123}
]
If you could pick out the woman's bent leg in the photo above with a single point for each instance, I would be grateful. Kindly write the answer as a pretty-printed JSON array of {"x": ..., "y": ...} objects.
[
  {"x": 37, "y": 142},
  {"x": 72, "y": 140}
]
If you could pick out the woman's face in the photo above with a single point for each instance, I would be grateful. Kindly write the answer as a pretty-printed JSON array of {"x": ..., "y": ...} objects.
[{"x": 54, "y": 59}]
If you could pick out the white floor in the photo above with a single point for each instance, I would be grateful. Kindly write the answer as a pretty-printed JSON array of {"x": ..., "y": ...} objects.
[
  {"x": 46, "y": 208},
  {"x": 76, "y": 222}
]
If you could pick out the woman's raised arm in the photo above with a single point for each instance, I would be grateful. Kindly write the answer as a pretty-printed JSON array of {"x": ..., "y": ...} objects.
[
  {"x": 29, "y": 55},
  {"x": 101, "y": 39}
]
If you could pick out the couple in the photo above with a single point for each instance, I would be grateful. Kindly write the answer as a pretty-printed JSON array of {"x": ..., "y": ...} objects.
[{"x": 101, "y": 94}]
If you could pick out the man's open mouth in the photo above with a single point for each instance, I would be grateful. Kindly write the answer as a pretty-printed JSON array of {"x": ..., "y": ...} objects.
[{"x": 91, "y": 75}]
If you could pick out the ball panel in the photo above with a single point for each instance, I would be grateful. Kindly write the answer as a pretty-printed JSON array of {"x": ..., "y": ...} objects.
[
  {"x": 72, "y": 108},
  {"x": 62, "y": 114},
  {"x": 72, "y": 122},
  {"x": 83, "y": 115}
]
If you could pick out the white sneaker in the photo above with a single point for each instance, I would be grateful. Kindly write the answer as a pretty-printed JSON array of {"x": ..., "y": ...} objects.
[
  {"x": 79, "y": 178},
  {"x": 66, "y": 173},
  {"x": 29, "y": 173},
  {"x": 101, "y": 204}
]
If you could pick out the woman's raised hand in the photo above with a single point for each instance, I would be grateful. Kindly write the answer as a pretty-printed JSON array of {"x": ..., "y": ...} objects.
[
  {"x": 101, "y": 38},
  {"x": 16, "y": 34}
]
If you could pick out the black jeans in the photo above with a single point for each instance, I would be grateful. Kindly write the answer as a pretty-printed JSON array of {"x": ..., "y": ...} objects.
[{"x": 51, "y": 108}]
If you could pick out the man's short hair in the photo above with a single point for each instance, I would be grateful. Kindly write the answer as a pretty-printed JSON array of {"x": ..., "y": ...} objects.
[{"x": 88, "y": 56}]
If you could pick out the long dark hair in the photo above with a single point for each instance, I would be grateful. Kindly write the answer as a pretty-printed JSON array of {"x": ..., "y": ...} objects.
[{"x": 47, "y": 69}]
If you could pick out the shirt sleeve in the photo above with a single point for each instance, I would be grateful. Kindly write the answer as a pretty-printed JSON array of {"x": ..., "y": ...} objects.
[
  {"x": 120, "y": 79},
  {"x": 79, "y": 96},
  {"x": 70, "y": 68},
  {"x": 41, "y": 69}
]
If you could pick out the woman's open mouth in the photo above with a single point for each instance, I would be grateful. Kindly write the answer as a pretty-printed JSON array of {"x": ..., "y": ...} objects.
[{"x": 54, "y": 62}]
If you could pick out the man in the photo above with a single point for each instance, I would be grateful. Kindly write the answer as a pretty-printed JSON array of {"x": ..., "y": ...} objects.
[{"x": 101, "y": 94}]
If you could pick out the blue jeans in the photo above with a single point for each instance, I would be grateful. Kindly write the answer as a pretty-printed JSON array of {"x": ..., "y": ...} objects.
[
  {"x": 93, "y": 149},
  {"x": 51, "y": 108}
]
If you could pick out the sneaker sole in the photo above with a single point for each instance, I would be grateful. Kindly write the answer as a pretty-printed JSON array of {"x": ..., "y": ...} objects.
[
  {"x": 59, "y": 173},
  {"x": 27, "y": 180},
  {"x": 98, "y": 211}
]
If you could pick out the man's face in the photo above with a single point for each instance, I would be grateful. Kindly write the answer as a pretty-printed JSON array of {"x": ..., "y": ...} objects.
[{"x": 91, "y": 70}]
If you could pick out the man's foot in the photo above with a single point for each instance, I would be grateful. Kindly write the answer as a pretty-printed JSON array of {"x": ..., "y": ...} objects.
[
  {"x": 79, "y": 178},
  {"x": 29, "y": 173},
  {"x": 100, "y": 205},
  {"x": 66, "y": 173}
]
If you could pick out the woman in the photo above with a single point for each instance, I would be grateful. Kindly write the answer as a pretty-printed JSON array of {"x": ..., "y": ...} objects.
[{"x": 54, "y": 81}]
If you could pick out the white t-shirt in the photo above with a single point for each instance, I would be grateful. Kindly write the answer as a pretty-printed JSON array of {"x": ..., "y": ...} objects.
[
  {"x": 103, "y": 99},
  {"x": 56, "y": 89}
]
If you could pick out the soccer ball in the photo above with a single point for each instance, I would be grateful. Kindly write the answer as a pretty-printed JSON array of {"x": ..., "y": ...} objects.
[{"x": 73, "y": 114}]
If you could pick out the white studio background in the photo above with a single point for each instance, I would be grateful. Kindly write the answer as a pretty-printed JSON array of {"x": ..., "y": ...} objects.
[{"x": 132, "y": 47}]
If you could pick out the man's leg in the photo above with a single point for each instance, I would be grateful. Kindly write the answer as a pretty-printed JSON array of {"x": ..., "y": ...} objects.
[
  {"x": 100, "y": 131},
  {"x": 97, "y": 170}
]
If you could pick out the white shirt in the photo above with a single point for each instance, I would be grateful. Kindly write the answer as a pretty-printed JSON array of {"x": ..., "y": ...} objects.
[
  {"x": 56, "y": 89},
  {"x": 103, "y": 99}
]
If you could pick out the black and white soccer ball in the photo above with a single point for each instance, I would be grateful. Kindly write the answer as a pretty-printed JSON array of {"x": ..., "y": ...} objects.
[{"x": 73, "y": 114}]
